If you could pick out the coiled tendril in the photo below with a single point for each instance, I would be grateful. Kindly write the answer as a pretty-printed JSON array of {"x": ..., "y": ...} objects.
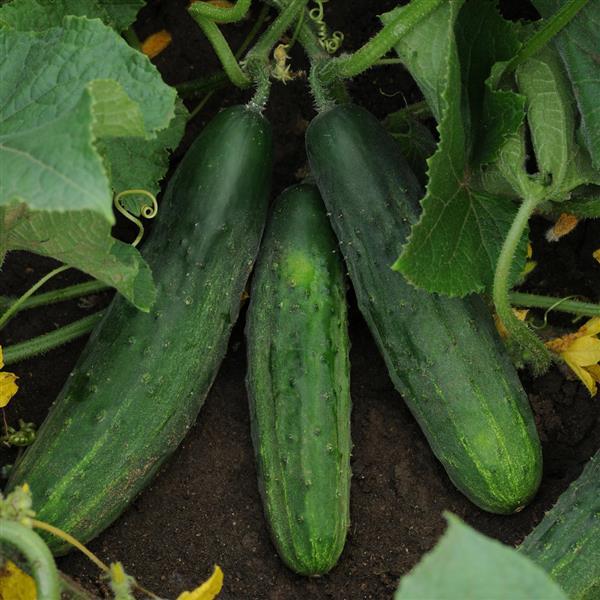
[
  {"x": 148, "y": 211},
  {"x": 331, "y": 44}
]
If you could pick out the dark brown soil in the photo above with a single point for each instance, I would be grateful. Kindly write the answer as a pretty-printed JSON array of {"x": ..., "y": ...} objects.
[{"x": 204, "y": 507}]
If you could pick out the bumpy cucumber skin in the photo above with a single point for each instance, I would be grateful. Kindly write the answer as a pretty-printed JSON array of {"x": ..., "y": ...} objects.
[
  {"x": 442, "y": 354},
  {"x": 566, "y": 543},
  {"x": 298, "y": 383},
  {"x": 142, "y": 378}
]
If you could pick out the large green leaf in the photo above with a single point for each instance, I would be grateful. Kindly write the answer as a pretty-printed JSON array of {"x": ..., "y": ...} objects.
[
  {"x": 579, "y": 47},
  {"x": 454, "y": 247},
  {"x": 37, "y": 15},
  {"x": 466, "y": 565},
  {"x": 66, "y": 90}
]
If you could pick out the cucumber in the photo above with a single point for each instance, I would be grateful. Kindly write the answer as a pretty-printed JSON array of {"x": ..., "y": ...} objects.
[
  {"x": 298, "y": 383},
  {"x": 142, "y": 378},
  {"x": 566, "y": 543},
  {"x": 443, "y": 354}
]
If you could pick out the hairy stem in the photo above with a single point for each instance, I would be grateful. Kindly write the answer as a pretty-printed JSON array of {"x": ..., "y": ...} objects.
[
  {"x": 223, "y": 51},
  {"x": 280, "y": 25},
  {"x": 14, "y": 308},
  {"x": 53, "y": 339},
  {"x": 550, "y": 27},
  {"x": 219, "y": 14},
  {"x": 533, "y": 348},
  {"x": 575, "y": 307},
  {"x": 67, "y": 293},
  {"x": 38, "y": 557},
  {"x": 366, "y": 56}
]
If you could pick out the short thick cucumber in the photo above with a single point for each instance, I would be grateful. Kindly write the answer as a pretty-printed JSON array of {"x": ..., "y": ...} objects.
[
  {"x": 142, "y": 378},
  {"x": 442, "y": 354},
  {"x": 298, "y": 383},
  {"x": 567, "y": 541}
]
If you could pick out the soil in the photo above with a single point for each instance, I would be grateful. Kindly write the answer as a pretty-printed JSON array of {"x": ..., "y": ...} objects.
[{"x": 204, "y": 508}]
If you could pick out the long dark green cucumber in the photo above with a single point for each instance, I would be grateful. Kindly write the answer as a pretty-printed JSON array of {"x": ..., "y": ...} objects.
[
  {"x": 298, "y": 383},
  {"x": 566, "y": 543},
  {"x": 442, "y": 354},
  {"x": 142, "y": 378}
]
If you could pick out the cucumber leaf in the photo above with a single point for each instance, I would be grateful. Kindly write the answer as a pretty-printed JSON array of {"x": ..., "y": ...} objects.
[
  {"x": 466, "y": 565},
  {"x": 65, "y": 90},
  {"x": 454, "y": 247},
  {"x": 37, "y": 15},
  {"x": 578, "y": 45}
]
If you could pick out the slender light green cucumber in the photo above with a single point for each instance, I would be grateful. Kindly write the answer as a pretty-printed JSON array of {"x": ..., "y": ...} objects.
[{"x": 298, "y": 383}]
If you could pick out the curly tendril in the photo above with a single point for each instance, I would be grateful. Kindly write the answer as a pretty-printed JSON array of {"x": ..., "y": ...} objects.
[
  {"x": 331, "y": 44},
  {"x": 147, "y": 211}
]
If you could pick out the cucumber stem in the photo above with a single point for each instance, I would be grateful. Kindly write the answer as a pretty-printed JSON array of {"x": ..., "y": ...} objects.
[
  {"x": 53, "y": 339},
  {"x": 224, "y": 53},
  {"x": 219, "y": 14},
  {"x": 280, "y": 25},
  {"x": 366, "y": 56},
  {"x": 584, "y": 309},
  {"x": 550, "y": 27},
  {"x": 533, "y": 348},
  {"x": 37, "y": 554},
  {"x": 14, "y": 308},
  {"x": 67, "y": 293}
]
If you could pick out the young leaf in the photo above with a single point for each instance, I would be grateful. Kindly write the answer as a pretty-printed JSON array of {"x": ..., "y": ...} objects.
[
  {"x": 578, "y": 46},
  {"x": 37, "y": 15},
  {"x": 550, "y": 114},
  {"x": 466, "y": 565},
  {"x": 454, "y": 247}
]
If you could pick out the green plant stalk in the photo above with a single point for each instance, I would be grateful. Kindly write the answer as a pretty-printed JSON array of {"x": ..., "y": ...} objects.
[
  {"x": 53, "y": 339},
  {"x": 545, "y": 33},
  {"x": 247, "y": 41},
  {"x": 223, "y": 51},
  {"x": 584, "y": 309},
  {"x": 14, "y": 308},
  {"x": 280, "y": 25},
  {"x": 203, "y": 85},
  {"x": 37, "y": 554},
  {"x": 534, "y": 350},
  {"x": 219, "y": 14},
  {"x": 67, "y": 293},
  {"x": 366, "y": 56}
]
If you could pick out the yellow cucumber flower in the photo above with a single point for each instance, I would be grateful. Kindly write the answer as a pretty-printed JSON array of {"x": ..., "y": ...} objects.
[
  {"x": 208, "y": 590},
  {"x": 8, "y": 387},
  {"x": 596, "y": 254},
  {"x": 581, "y": 352},
  {"x": 154, "y": 44}
]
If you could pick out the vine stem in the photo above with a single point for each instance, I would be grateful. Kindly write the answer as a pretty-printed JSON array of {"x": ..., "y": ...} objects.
[
  {"x": 38, "y": 557},
  {"x": 12, "y": 310},
  {"x": 219, "y": 14},
  {"x": 223, "y": 51},
  {"x": 67, "y": 293},
  {"x": 366, "y": 56},
  {"x": 280, "y": 25},
  {"x": 53, "y": 339},
  {"x": 575, "y": 307},
  {"x": 545, "y": 33},
  {"x": 264, "y": 11},
  {"x": 531, "y": 345}
]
